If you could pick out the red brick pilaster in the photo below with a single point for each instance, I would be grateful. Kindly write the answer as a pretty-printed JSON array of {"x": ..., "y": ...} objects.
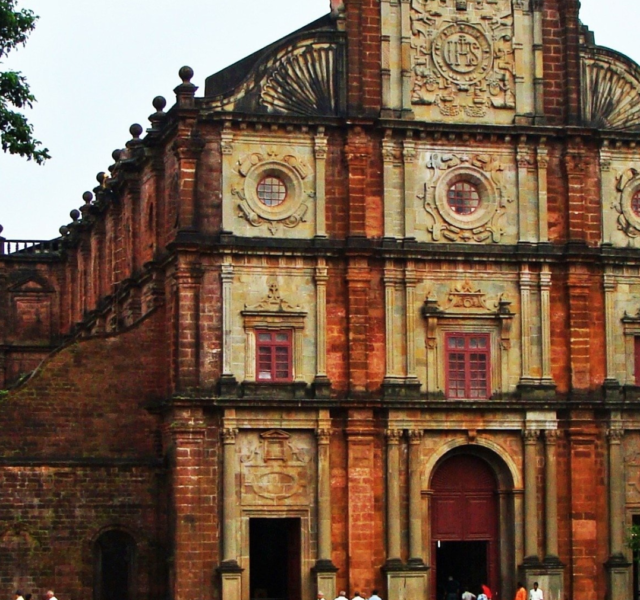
[
  {"x": 358, "y": 281},
  {"x": 585, "y": 566},
  {"x": 191, "y": 577},
  {"x": 187, "y": 150},
  {"x": 580, "y": 318},
  {"x": 358, "y": 153},
  {"x": 187, "y": 282},
  {"x": 571, "y": 22},
  {"x": 575, "y": 164},
  {"x": 361, "y": 477}
]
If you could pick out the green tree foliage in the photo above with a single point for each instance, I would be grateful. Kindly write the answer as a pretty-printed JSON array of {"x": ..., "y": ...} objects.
[{"x": 16, "y": 133}]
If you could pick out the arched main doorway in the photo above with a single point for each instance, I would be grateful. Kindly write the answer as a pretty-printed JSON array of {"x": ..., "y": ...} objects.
[{"x": 464, "y": 524}]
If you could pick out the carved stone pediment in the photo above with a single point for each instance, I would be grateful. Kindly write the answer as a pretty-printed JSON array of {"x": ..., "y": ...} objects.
[
  {"x": 302, "y": 75},
  {"x": 273, "y": 302},
  {"x": 610, "y": 90}
]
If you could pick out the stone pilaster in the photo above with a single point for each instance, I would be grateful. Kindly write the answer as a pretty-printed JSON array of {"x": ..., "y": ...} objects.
[
  {"x": 226, "y": 148},
  {"x": 320, "y": 150},
  {"x": 551, "y": 496},
  {"x": 229, "y": 570},
  {"x": 526, "y": 283},
  {"x": 530, "y": 497},
  {"x": 617, "y": 565},
  {"x": 321, "y": 382},
  {"x": 393, "y": 496},
  {"x": 545, "y": 324},
  {"x": 391, "y": 280},
  {"x": 324, "y": 569},
  {"x": 409, "y": 157},
  {"x": 610, "y": 326},
  {"x": 228, "y": 380},
  {"x": 543, "y": 211},
  {"x": 410, "y": 282},
  {"x": 538, "y": 61},
  {"x": 415, "y": 503}
]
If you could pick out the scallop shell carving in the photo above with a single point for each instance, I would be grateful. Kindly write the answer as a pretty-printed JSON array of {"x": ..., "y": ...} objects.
[
  {"x": 610, "y": 90},
  {"x": 302, "y": 82}
]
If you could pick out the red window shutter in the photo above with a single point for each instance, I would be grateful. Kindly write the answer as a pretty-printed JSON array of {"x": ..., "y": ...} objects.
[
  {"x": 274, "y": 355},
  {"x": 467, "y": 365}
]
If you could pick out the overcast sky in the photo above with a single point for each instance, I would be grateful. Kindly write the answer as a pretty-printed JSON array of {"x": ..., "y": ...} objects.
[{"x": 95, "y": 67}]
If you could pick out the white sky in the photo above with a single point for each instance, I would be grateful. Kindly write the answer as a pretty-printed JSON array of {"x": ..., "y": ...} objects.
[{"x": 95, "y": 67}]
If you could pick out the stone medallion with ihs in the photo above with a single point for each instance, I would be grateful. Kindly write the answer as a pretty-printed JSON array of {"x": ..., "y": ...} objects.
[
  {"x": 276, "y": 468},
  {"x": 462, "y": 60}
]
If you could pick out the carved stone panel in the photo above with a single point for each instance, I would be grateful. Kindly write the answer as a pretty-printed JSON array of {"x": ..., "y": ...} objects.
[
  {"x": 494, "y": 217},
  {"x": 462, "y": 60},
  {"x": 271, "y": 185},
  {"x": 277, "y": 468}
]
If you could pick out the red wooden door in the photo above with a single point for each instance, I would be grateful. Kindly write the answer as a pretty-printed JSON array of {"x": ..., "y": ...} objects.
[{"x": 465, "y": 509}]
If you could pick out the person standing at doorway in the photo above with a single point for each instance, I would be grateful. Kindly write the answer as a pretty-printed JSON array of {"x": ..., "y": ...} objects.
[
  {"x": 452, "y": 589},
  {"x": 521, "y": 594},
  {"x": 374, "y": 595},
  {"x": 535, "y": 593},
  {"x": 467, "y": 595}
]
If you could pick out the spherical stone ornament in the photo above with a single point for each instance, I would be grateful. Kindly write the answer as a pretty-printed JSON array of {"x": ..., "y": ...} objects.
[{"x": 462, "y": 53}]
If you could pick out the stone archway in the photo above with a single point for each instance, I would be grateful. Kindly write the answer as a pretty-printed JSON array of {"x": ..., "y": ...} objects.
[{"x": 472, "y": 520}]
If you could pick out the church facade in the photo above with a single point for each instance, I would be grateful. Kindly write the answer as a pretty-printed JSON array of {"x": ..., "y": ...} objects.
[{"x": 364, "y": 313}]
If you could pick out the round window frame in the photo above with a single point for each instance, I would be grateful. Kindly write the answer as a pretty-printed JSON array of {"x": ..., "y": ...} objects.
[
  {"x": 291, "y": 180},
  {"x": 626, "y": 204},
  {"x": 486, "y": 191}
]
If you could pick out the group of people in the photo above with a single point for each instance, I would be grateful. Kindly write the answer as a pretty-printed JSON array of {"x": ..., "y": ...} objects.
[
  {"x": 454, "y": 591},
  {"x": 48, "y": 596},
  {"x": 342, "y": 595}
]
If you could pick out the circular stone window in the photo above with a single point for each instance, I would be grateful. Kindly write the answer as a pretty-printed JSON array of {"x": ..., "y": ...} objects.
[
  {"x": 466, "y": 197},
  {"x": 463, "y": 198},
  {"x": 271, "y": 191}
]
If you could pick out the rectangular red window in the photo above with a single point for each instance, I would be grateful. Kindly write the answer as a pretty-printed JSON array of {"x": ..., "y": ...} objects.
[
  {"x": 468, "y": 365},
  {"x": 273, "y": 355},
  {"x": 636, "y": 362}
]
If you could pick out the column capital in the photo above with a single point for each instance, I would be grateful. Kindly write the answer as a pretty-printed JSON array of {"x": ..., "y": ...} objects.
[
  {"x": 551, "y": 436},
  {"x": 393, "y": 436},
  {"x": 615, "y": 435},
  {"x": 229, "y": 435},
  {"x": 324, "y": 435},
  {"x": 531, "y": 436},
  {"x": 415, "y": 436}
]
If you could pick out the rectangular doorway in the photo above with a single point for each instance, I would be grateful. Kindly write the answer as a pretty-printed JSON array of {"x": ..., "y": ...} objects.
[
  {"x": 274, "y": 559},
  {"x": 466, "y": 562}
]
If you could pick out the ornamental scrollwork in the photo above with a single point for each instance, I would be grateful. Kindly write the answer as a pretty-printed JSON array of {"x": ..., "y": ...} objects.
[
  {"x": 462, "y": 56},
  {"x": 626, "y": 203}
]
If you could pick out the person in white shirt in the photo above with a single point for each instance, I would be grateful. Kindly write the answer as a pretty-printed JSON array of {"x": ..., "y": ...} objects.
[
  {"x": 342, "y": 595},
  {"x": 50, "y": 595},
  {"x": 535, "y": 593},
  {"x": 357, "y": 596},
  {"x": 374, "y": 595},
  {"x": 467, "y": 595}
]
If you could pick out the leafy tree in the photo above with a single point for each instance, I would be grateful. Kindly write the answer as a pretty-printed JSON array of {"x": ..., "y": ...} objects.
[{"x": 16, "y": 133}]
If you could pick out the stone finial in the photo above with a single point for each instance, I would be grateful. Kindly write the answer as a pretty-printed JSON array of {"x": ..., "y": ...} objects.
[
  {"x": 186, "y": 91},
  {"x": 159, "y": 116},
  {"x": 87, "y": 197},
  {"x": 75, "y": 215},
  {"x": 1, "y": 229},
  {"x": 64, "y": 231},
  {"x": 100, "y": 177}
]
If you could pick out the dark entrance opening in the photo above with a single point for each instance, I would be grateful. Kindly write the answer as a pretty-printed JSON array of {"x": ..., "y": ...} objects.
[
  {"x": 466, "y": 562},
  {"x": 464, "y": 524},
  {"x": 114, "y": 554},
  {"x": 274, "y": 559}
]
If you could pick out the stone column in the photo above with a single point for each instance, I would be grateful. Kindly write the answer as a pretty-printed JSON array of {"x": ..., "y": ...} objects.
[
  {"x": 545, "y": 324},
  {"x": 410, "y": 281},
  {"x": 415, "y": 504},
  {"x": 526, "y": 282},
  {"x": 551, "y": 496},
  {"x": 321, "y": 381},
  {"x": 617, "y": 565},
  {"x": 390, "y": 280},
  {"x": 393, "y": 496},
  {"x": 610, "y": 325},
  {"x": 229, "y": 569},
  {"x": 542, "y": 157},
  {"x": 324, "y": 569},
  {"x": 530, "y": 497},
  {"x": 227, "y": 380},
  {"x": 321, "y": 161},
  {"x": 408, "y": 157}
]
